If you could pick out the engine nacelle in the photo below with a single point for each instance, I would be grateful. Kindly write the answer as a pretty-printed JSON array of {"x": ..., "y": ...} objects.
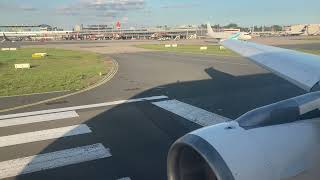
[{"x": 230, "y": 151}]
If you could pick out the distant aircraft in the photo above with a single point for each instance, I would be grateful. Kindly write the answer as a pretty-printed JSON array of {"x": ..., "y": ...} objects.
[
  {"x": 31, "y": 35},
  {"x": 295, "y": 33},
  {"x": 226, "y": 35},
  {"x": 277, "y": 141},
  {"x": 5, "y": 38}
]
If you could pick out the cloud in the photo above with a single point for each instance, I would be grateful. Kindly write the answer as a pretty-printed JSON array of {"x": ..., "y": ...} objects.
[
  {"x": 101, "y": 8},
  {"x": 13, "y": 7},
  {"x": 120, "y": 5},
  {"x": 28, "y": 8}
]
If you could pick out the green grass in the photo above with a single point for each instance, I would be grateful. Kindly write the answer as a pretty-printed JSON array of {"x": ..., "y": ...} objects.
[
  {"x": 314, "y": 51},
  {"x": 212, "y": 49},
  {"x": 311, "y": 38},
  {"x": 60, "y": 70}
]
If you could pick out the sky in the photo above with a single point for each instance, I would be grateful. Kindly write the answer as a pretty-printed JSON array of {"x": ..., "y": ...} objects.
[{"x": 67, "y": 13}]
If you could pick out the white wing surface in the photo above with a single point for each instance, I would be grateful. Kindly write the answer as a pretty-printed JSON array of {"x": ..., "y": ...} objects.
[{"x": 299, "y": 68}]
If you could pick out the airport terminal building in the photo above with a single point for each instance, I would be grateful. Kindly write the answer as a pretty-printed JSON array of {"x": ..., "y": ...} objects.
[
  {"x": 105, "y": 32},
  {"x": 28, "y": 28},
  {"x": 111, "y": 32}
]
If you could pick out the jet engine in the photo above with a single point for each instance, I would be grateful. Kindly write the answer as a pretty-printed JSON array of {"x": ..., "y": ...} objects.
[{"x": 280, "y": 141}]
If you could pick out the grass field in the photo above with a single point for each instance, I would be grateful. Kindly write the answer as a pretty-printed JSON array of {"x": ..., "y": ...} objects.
[
  {"x": 212, "y": 49},
  {"x": 311, "y": 38},
  {"x": 60, "y": 70},
  {"x": 316, "y": 52}
]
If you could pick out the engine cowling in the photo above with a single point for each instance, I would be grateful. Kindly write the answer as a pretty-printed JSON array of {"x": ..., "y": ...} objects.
[{"x": 235, "y": 151}]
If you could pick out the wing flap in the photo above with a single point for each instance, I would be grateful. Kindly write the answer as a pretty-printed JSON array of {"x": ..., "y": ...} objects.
[{"x": 299, "y": 68}]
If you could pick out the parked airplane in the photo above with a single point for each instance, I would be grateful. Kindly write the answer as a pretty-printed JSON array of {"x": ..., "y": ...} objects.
[
  {"x": 5, "y": 38},
  {"x": 277, "y": 141},
  {"x": 31, "y": 35},
  {"x": 292, "y": 33},
  {"x": 226, "y": 35}
]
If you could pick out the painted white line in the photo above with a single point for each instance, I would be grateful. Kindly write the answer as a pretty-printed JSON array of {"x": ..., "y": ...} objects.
[
  {"x": 38, "y": 118},
  {"x": 81, "y": 107},
  {"x": 52, "y": 160},
  {"x": 43, "y": 135},
  {"x": 191, "y": 113}
]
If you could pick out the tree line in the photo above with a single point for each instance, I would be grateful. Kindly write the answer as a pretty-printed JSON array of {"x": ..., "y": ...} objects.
[{"x": 246, "y": 29}]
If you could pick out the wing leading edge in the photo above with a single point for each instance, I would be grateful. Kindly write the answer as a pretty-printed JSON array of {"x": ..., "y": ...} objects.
[{"x": 299, "y": 68}]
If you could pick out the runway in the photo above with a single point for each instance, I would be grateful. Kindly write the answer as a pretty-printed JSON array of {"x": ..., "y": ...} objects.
[{"x": 131, "y": 136}]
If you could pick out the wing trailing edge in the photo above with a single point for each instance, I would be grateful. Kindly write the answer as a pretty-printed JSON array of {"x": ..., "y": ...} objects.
[{"x": 299, "y": 68}]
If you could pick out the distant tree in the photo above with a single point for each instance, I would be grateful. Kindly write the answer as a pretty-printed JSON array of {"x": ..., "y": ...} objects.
[
  {"x": 203, "y": 26},
  {"x": 216, "y": 26},
  {"x": 267, "y": 28},
  {"x": 213, "y": 26},
  {"x": 258, "y": 29},
  {"x": 244, "y": 29},
  {"x": 276, "y": 28},
  {"x": 231, "y": 25}
]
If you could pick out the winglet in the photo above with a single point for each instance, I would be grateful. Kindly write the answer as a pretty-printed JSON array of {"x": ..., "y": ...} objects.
[{"x": 235, "y": 36}]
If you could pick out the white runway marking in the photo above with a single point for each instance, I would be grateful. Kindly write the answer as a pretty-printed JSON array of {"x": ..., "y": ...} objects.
[
  {"x": 191, "y": 113},
  {"x": 38, "y": 118},
  {"x": 52, "y": 160},
  {"x": 81, "y": 107},
  {"x": 43, "y": 135}
]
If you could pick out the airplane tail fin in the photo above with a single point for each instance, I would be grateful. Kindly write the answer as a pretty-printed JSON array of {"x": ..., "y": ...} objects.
[
  {"x": 222, "y": 35},
  {"x": 209, "y": 29},
  {"x": 6, "y": 38},
  {"x": 235, "y": 36},
  {"x": 215, "y": 35}
]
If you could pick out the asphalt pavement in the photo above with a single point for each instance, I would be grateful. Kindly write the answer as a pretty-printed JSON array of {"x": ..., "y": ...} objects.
[{"x": 118, "y": 138}]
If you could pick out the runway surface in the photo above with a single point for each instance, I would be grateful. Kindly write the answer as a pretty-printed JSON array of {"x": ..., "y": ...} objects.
[{"x": 124, "y": 129}]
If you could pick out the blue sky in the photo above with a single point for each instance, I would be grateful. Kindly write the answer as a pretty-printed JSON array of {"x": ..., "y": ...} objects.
[{"x": 67, "y": 13}]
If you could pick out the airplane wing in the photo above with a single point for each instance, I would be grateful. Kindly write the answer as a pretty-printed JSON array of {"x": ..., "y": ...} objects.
[{"x": 299, "y": 68}]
